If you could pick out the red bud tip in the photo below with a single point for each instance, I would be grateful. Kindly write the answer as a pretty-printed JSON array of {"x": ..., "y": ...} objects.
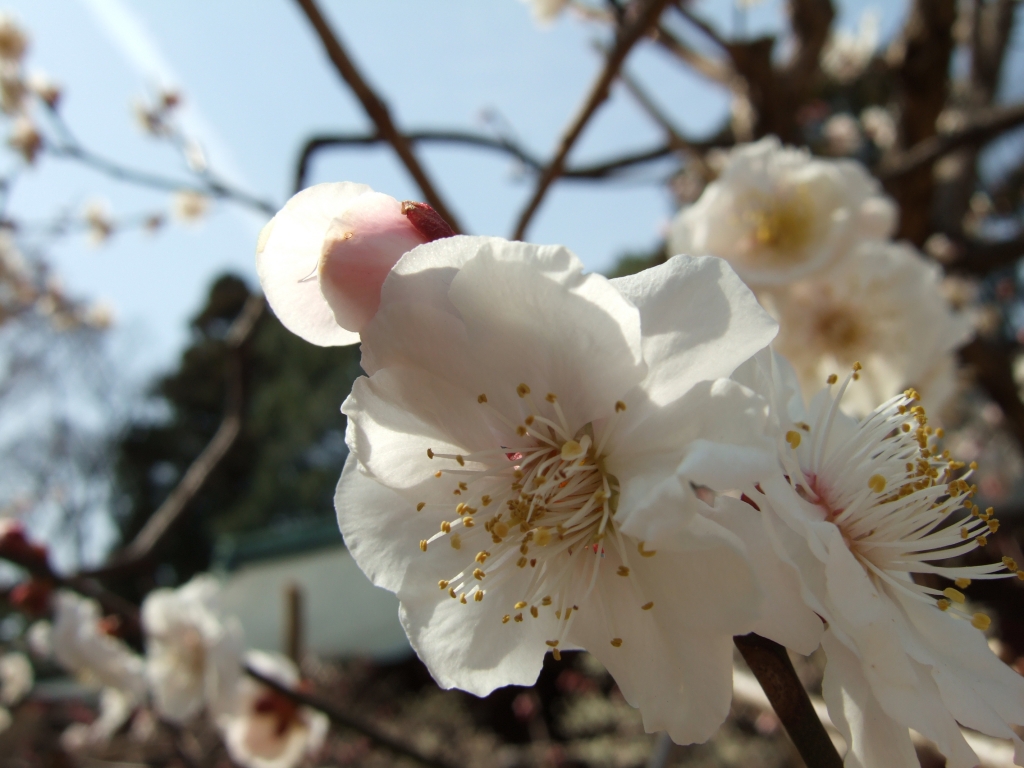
[
  {"x": 110, "y": 625},
  {"x": 16, "y": 547},
  {"x": 427, "y": 221},
  {"x": 32, "y": 596}
]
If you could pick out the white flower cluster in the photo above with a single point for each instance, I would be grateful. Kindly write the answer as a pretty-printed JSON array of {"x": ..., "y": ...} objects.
[
  {"x": 811, "y": 237},
  {"x": 16, "y": 87},
  {"x": 528, "y": 443},
  {"x": 192, "y": 667}
]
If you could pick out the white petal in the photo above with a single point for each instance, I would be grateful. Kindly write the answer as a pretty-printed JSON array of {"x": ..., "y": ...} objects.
[
  {"x": 875, "y": 739},
  {"x": 287, "y": 257},
  {"x": 699, "y": 322}
]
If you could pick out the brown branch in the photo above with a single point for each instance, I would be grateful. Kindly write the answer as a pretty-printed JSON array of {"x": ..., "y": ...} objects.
[
  {"x": 717, "y": 71},
  {"x": 985, "y": 125},
  {"x": 645, "y": 14},
  {"x": 980, "y": 258},
  {"x": 770, "y": 664},
  {"x": 376, "y": 110},
  {"x": 710, "y": 32},
  {"x": 171, "y": 511},
  {"x": 992, "y": 365},
  {"x": 353, "y": 722}
]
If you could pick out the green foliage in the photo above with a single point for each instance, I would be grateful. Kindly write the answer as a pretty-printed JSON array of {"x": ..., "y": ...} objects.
[
  {"x": 631, "y": 263},
  {"x": 287, "y": 460}
]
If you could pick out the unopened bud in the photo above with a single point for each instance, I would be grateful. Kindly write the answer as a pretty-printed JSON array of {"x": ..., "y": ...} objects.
[{"x": 427, "y": 221}]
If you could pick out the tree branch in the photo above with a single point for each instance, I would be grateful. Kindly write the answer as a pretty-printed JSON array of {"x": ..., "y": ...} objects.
[
  {"x": 645, "y": 15},
  {"x": 770, "y": 664},
  {"x": 162, "y": 522},
  {"x": 985, "y": 125},
  {"x": 352, "y": 722},
  {"x": 376, "y": 110},
  {"x": 992, "y": 365},
  {"x": 980, "y": 258}
]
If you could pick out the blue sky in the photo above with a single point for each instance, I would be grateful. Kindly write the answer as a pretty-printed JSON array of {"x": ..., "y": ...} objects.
[{"x": 257, "y": 83}]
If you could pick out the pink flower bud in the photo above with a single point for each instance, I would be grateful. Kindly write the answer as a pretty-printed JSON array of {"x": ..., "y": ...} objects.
[{"x": 323, "y": 258}]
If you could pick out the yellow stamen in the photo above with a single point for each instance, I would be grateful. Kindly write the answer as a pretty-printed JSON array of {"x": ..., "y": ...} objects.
[
  {"x": 954, "y": 595},
  {"x": 616, "y": 642},
  {"x": 876, "y": 483},
  {"x": 980, "y": 621},
  {"x": 793, "y": 438}
]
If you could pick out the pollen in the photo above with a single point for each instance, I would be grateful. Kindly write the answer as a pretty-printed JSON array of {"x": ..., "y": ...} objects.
[
  {"x": 482, "y": 399},
  {"x": 943, "y": 604},
  {"x": 1010, "y": 563},
  {"x": 430, "y": 453},
  {"x": 832, "y": 378},
  {"x": 954, "y": 595},
  {"x": 443, "y": 584},
  {"x": 793, "y": 438},
  {"x": 533, "y": 611},
  {"x": 551, "y": 398},
  {"x": 520, "y": 604},
  {"x": 645, "y": 552},
  {"x": 876, "y": 483},
  {"x": 980, "y": 621},
  {"x": 455, "y": 541},
  {"x": 963, "y": 582},
  {"x": 478, "y": 574},
  {"x": 551, "y": 643},
  {"x": 619, "y": 406},
  {"x": 481, "y": 556},
  {"x": 479, "y": 596},
  {"x": 446, "y": 527},
  {"x": 505, "y": 619},
  {"x": 522, "y": 390},
  {"x": 420, "y": 506},
  {"x": 616, "y": 642},
  {"x": 647, "y": 606},
  {"x": 423, "y": 545},
  {"x": 518, "y": 617},
  {"x": 623, "y": 571}
]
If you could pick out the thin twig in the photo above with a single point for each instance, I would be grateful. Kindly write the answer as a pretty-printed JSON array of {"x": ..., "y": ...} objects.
[
  {"x": 160, "y": 524},
  {"x": 710, "y": 32},
  {"x": 647, "y": 13},
  {"x": 770, "y": 664},
  {"x": 376, "y": 110},
  {"x": 984, "y": 126},
  {"x": 352, "y": 722}
]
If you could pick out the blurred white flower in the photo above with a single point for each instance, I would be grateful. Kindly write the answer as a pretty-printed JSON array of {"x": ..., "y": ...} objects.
[
  {"x": 13, "y": 40},
  {"x": 98, "y": 222},
  {"x": 192, "y": 653},
  {"x": 846, "y": 56},
  {"x": 777, "y": 214},
  {"x": 82, "y": 646},
  {"x": 879, "y": 127},
  {"x": 546, "y": 11},
  {"x": 13, "y": 90},
  {"x": 857, "y": 509},
  {"x": 190, "y": 206},
  {"x": 267, "y": 729},
  {"x": 16, "y": 678},
  {"x": 526, "y": 434},
  {"x": 842, "y": 133},
  {"x": 40, "y": 640},
  {"x": 115, "y": 708},
  {"x": 25, "y": 139},
  {"x": 882, "y": 306},
  {"x": 45, "y": 88},
  {"x": 323, "y": 258}
]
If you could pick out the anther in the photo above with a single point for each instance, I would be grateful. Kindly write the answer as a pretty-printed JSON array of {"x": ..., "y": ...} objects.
[
  {"x": 430, "y": 453},
  {"x": 793, "y": 438},
  {"x": 647, "y": 606},
  {"x": 954, "y": 595},
  {"x": 482, "y": 399},
  {"x": 455, "y": 541},
  {"x": 1020, "y": 575},
  {"x": 437, "y": 474},
  {"x": 420, "y": 506},
  {"x": 528, "y": 421},
  {"x": 857, "y": 367},
  {"x": 876, "y": 483},
  {"x": 520, "y": 604},
  {"x": 446, "y": 527},
  {"x": 832, "y": 378},
  {"x": 551, "y": 643},
  {"x": 973, "y": 465},
  {"x": 518, "y": 617},
  {"x": 452, "y": 593},
  {"x": 479, "y": 596},
  {"x": 980, "y": 621},
  {"x": 619, "y": 406},
  {"x": 943, "y": 604},
  {"x": 521, "y": 430},
  {"x": 551, "y": 397},
  {"x": 443, "y": 584},
  {"x": 505, "y": 619},
  {"x": 462, "y": 461},
  {"x": 423, "y": 545},
  {"x": 481, "y": 556},
  {"x": 533, "y": 611},
  {"x": 616, "y": 642},
  {"x": 963, "y": 582},
  {"x": 644, "y": 552},
  {"x": 993, "y": 525},
  {"x": 485, "y": 500},
  {"x": 468, "y": 522},
  {"x": 1010, "y": 563},
  {"x": 623, "y": 571},
  {"x": 522, "y": 390},
  {"x": 982, "y": 541},
  {"x": 478, "y": 574},
  {"x": 546, "y": 601},
  {"x": 463, "y": 486},
  {"x": 462, "y": 599}
]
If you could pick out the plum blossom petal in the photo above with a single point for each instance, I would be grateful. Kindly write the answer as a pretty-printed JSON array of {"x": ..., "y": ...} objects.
[
  {"x": 492, "y": 483},
  {"x": 777, "y": 214},
  {"x": 857, "y": 508},
  {"x": 193, "y": 655},
  {"x": 16, "y": 678},
  {"x": 266, "y": 729}
]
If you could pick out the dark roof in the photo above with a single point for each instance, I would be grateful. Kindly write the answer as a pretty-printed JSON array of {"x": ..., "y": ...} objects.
[{"x": 283, "y": 540}]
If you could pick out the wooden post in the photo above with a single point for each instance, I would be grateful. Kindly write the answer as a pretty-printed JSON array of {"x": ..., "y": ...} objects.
[{"x": 293, "y": 627}]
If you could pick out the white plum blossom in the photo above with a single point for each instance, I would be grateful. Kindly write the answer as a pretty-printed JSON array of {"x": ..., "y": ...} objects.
[
  {"x": 882, "y": 306},
  {"x": 546, "y": 11},
  {"x": 521, "y": 467},
  {"x": 193, "y": 654},
  {"x": 83, "y": 647},
  {"x": 16, "y": 680},
  {"x": 856, "y": 510},
  {"x": 267, "y": 729},
  {"x": 847, "y": 55},
  {"x": 323, "y": 258},
  {"x": 116, "y": 707},
  {"x": 777, "y": 214}
]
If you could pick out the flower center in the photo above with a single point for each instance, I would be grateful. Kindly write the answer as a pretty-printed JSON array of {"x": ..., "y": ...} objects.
[
  {"x": 841, "y": 331},
  {"x": 890, "y": 491},
  {"x": 548, "y": 507},
  {"x": 782, "y": 225}
]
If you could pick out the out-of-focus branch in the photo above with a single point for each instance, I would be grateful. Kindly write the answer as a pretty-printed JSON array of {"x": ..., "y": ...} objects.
[
  {"x": 376, "y": 110},
  {"x": 710, "y": 32},
  {"x": 70, "y": 148},
  {"x": 352, "y": 722},
  {"x": 589, "y": 172},
  {"x": 979, "y": 258},
  {"x": 716, "y": 71},
  {"x": 162, "y": 522},
  {"x": 982, "y": 127},
  {"x": 770, "y": 664},
  {"x": 992, "y": 365},
  {"x": 644, "y": 15}
]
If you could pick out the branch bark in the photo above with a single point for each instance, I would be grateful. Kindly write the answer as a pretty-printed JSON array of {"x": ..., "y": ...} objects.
[
  {"x": 992, "y": 365},
  {"x": 376, "y": 110},
  {"x": 770, "y": 664},
  {"x": 163, "y": 521},
  {"x": 645, "y": 14}
]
